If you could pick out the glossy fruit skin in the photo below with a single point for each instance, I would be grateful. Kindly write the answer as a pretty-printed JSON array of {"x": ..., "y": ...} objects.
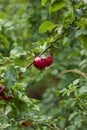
[
  {"x": 24, "y": 124},
  {"x": 40, "y": 63},
  {"x": 49, "y": 60},
  {"x": 4, "y": 96}
]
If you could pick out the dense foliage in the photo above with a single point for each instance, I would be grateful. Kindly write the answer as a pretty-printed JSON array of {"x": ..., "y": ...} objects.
[{"x": 33, "y": 97}]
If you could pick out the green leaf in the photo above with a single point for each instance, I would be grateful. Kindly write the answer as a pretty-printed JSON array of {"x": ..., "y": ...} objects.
[
  {"x": 4, "y": 39},
  {"x": 83, "y": 40},
  {"x": 46, "y": 26},
  {"x": 81, "y": 32},
  {"x": 43, "y": 2},
  {"x": 10, "y": 78},
  {"x": 57, "y": 5},
  {"x": 65, "y": 41},
  {"x": 83, "y": 89},
  {"x": 72, "y": 115},
  {"x": 36, "y": 107},
  {"x": 21, "y": 105},
  {"x": 17, "y": 52},
  {"x": 84, "y": 21},
  {"x": 78, "y": 13},
  {"x": 75, "y": 82},
  {"x": 61, "y": 118}
]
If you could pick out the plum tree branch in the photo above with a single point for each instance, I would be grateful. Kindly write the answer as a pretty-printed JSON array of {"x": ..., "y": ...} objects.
[
  {"x": 54, "y": 41},
  {"x": 74, "y": 71}
]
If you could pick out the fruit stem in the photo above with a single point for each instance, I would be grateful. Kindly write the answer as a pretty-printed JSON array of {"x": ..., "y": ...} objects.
[{"x": 38, "y": 56}]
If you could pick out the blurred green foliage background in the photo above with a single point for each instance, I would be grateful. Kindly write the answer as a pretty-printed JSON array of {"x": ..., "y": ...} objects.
[{"x": 62, "y": 97}]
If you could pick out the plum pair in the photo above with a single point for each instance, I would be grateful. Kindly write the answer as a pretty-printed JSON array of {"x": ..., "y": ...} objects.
[{"x": 41, "y": 63}]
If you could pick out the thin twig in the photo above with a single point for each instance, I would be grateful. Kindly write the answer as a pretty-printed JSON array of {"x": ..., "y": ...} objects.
[{"x": 75, "y": 71}]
